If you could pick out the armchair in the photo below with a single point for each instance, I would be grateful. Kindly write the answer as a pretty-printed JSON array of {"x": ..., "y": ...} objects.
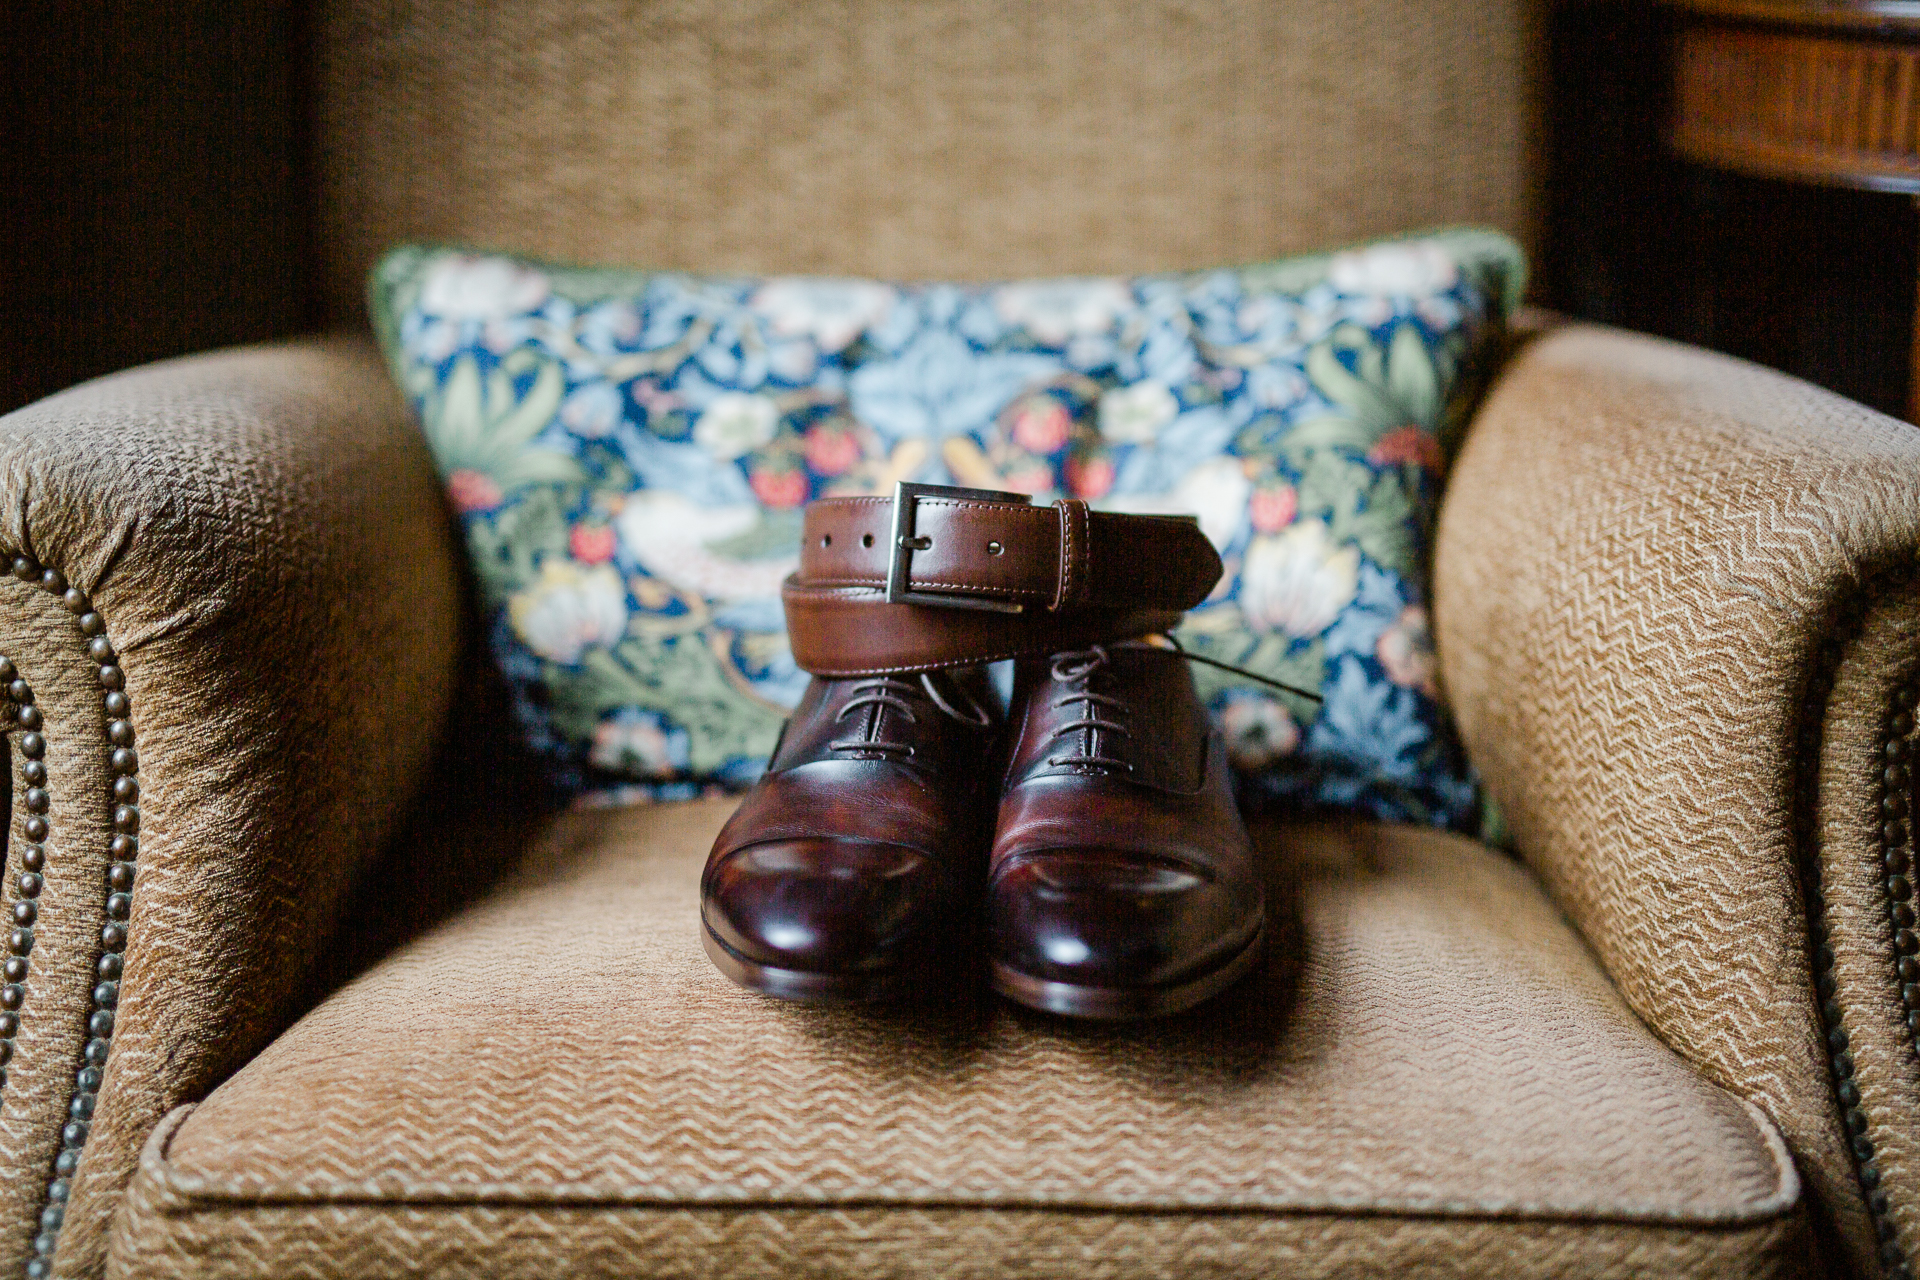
[{"x": 1677, "y": 621}]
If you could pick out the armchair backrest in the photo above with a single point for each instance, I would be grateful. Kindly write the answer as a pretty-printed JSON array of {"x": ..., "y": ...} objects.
[{"x": 912, "y": 138}]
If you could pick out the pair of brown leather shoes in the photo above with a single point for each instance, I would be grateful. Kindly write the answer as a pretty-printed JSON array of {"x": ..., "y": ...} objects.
[{"x": 1096, "y": 825}]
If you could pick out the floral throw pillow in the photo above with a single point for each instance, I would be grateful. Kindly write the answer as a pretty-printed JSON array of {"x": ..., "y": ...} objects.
[{"x": 629, "y": 453}]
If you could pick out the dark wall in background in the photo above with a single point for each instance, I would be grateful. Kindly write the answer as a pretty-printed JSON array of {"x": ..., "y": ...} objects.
[
  {"x": 149, "y": 184},
  {"x": 1818, "y": 281},
  {"x": 151, "y": 202}
]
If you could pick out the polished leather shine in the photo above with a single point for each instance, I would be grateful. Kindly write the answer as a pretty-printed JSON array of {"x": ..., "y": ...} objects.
[
  {"x": 859, "y": 850},
  {"x": 1121, "y": 881},
  {"x": 1021, "y": 580}
]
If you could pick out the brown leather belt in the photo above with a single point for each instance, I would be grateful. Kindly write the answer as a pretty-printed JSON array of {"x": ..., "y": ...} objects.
[{"x": 941, "y": 577}]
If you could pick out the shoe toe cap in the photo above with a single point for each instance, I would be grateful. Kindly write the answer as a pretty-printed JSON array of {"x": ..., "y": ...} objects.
[
  {"x": 819, "y": 905},
  {"x": 1106, "y": 919}
]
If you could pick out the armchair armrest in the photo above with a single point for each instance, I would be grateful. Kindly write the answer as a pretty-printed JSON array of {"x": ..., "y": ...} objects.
[
  {"x": 1678, "y": 608},
  {"x": 230, "y": 634}
]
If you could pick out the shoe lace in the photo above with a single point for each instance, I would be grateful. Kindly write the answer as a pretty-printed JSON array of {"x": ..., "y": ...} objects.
[
  {"x": 886, "y": 693},
  {"x": 1075, "y": 668}
]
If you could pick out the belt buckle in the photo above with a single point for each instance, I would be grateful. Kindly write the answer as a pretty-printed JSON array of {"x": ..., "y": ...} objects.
[{"x": 905, "y": 541}]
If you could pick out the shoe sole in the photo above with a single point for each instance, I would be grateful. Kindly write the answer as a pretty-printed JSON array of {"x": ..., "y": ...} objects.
[
  {"x": 1116, "y": 1004},
  {"x": 799, "y": 984}
]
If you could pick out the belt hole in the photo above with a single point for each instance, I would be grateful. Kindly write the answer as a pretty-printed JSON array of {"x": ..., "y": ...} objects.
[
  {"x": 994, "y": 548},
  {"x": 866, "y": 539},
  {"x": 826, "y": 539}
]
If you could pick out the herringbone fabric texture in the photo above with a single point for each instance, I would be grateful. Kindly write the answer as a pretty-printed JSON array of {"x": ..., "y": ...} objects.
[
  {"x": 1882, "y": 656},
  {"x": 960, "y": 140},
  {"x": 1642, "y": 548},
  {"x": 490, "y": 1242},
  {"x": 558, "y": 1082},
  {"x": 234, "y": 520}
]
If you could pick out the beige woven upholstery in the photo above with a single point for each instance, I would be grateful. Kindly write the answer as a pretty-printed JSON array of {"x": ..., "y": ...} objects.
[
  {"x": 1879, "y": 657},
  {"x": 964, "y": 139},
  {"x": 233, "y": 520},
  {"x": 559, "y": 1083},
  {"x": 1643, "y": 552}
]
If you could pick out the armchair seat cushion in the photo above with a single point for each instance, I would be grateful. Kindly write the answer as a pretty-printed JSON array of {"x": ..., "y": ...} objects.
[{"x": 1429, "y": 1073}]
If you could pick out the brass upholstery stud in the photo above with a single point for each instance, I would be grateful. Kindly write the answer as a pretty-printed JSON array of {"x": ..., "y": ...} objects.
[{"x": 124, "y": 846}]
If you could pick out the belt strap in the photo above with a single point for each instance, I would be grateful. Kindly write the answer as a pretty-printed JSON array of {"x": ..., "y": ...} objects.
[{"x": 942, "y": 577}]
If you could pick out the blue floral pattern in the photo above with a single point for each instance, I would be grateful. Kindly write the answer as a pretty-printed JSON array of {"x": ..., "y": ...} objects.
[{"x": 629, "y": 454}]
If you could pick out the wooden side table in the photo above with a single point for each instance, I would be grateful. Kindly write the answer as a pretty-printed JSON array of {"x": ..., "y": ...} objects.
[{"x": 1806, "y": 91}]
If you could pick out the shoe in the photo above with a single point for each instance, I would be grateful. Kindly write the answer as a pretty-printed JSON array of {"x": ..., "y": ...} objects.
[
  {"x": 865, "y": 842},
  {"x": 1121, "y": 881},
  {"x": 862, "y": 846}
]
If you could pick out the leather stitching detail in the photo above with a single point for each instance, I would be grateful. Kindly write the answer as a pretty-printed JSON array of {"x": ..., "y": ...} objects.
[
  {"x": 1073, "y": 552},
  {"x": 922, "y": 584}
]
